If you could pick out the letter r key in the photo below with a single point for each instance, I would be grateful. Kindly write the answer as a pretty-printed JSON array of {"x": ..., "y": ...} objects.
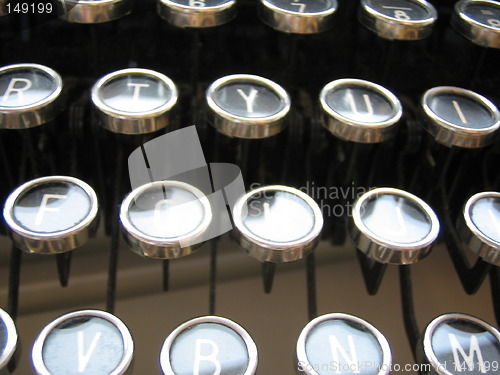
[{"x": 30, "y": 95}]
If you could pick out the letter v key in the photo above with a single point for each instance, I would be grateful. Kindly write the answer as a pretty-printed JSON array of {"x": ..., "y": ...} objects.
[{"x": 84, "y": 357}]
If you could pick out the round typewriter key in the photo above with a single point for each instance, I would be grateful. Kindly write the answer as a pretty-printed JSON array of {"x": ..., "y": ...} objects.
[
  {"x": 456, "y": 344},
  {"x": 8, "y": 339},
  {"x": 29, "y": 95},
  {"x": 51, "y": 215},
  {"x": 83, "y": 342},
  {"x": 478, "y": 21},
  {"x": 298, "y": 16},
  {"x": 342, "y": 344},
  {"x": 459, "y": 117},
  {"x": 197, "y": 13},
  {"x": 95, "y": 11},
  {"x": 165, "y": 219},
  {"x": 209, "y": 345},
  {"x": 398, "y": 19},
  {"x": 277, "y": 223},
  {"x": 247, "y": 106},
  {"x": 360, "y": 111},
  {"x": 134, "y": 101},
  {"x": 393, "y": 226},
  {"x": 479, "y": 226}
]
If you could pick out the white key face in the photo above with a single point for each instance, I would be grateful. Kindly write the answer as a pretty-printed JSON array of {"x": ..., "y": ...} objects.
[
  {"x": 167, "y": 219},
  {"x": 396, "y": 219},
  {"x": 485, "y": 215},
  {"x": 207, "y": 349},
  {"x": 277, "y": 223},
  {"x": 208, "y": 346},
  {"x": 342, "y": 344},
  {"x": 463, "y": 346},
  {"x": 82, "y": 343},
  {"x": 27, "y": 86},
  {"x": 392, "y": 226},
  {"x": 167, "y": 212},
  {"x": 279, "y": 216}
]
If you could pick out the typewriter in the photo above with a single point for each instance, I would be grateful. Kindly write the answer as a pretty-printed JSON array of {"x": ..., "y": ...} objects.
[{"x": 250, "y": 187}]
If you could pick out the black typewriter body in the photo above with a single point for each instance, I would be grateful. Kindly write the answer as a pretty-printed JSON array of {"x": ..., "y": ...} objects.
[{"x": 221, "y": 279}]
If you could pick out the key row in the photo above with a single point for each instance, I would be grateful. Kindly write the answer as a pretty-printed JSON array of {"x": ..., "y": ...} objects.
[
  {"x": 139, "y": 101},
  {"x": 478, "y": 20},
  {"x": 97, "y": 342},
  {"x": 171, "y": 219}
]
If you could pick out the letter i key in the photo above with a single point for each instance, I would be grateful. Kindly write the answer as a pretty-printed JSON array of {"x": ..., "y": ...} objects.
[{"x": 466, "y": 123}]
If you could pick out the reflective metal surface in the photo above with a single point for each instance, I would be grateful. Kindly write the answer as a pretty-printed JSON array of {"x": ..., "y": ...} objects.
[{"x": 51, "y": 215}]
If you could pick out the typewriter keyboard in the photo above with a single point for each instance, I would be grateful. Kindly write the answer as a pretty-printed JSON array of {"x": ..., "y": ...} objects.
[{"x": 222, "y": 187}]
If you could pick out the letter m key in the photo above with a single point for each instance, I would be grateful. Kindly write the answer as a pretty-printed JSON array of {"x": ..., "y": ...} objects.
[{"x": 462, "y": 360}]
